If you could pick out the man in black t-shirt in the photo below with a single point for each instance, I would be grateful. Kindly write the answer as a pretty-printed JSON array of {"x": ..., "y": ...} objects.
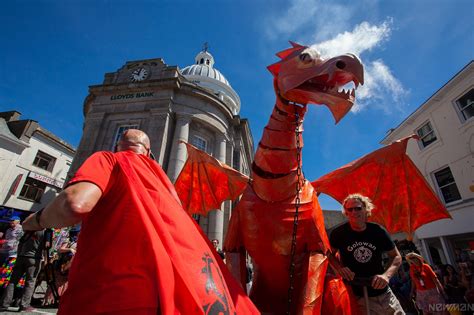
[{"x": 360, "y": 245}]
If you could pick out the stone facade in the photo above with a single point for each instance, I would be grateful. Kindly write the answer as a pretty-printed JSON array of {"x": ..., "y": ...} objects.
[{"x": 154, "y": 97}]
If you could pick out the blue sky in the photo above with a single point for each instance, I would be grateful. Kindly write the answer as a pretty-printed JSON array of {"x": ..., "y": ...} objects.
[{"x": 51, "y": 51}]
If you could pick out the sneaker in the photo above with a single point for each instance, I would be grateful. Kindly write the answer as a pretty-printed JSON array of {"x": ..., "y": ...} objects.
[{"x": 26, "y": 309}]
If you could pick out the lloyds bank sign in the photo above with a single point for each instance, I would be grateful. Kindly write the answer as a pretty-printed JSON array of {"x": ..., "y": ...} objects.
[{"x": 131, "y": 95}]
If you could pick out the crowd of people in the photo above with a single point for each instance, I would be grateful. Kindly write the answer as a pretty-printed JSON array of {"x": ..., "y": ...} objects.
[
  {"x": 437, "y": 289},
  {"x": 27, "y": 259},
  {"x": 130, "y": 240}
]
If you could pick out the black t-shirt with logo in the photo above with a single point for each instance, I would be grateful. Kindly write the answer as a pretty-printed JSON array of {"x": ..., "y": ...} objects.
[{"x": 362, "y": 251}]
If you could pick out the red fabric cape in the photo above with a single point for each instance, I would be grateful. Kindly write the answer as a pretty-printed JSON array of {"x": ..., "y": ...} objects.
[{"x": 190, "y": 276}]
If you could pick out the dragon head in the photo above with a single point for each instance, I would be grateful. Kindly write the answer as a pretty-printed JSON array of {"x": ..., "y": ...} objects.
[{"x": 303, "y": 77}]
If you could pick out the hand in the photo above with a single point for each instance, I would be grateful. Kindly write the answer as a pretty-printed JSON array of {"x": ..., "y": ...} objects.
[
  {"x": 380, "y": 281},
  {"x": 346, "y": 273}
]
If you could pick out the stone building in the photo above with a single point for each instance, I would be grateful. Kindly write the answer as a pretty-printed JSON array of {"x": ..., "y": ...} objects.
[
  {"x": 33, "y": 163},
  {"x": 196, "y": 105},
  {"x": 445, "y": 156}
]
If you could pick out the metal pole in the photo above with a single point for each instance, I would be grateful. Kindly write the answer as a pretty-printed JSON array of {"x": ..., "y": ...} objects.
[{"x": 366, "y": 298}]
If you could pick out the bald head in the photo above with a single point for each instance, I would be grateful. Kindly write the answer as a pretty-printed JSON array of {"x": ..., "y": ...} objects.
[{"x": 134, "y": 140}]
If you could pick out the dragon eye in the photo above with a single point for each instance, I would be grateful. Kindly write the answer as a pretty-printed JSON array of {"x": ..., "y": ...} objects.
[
  {"x": 305, "y": 57},
  {"x": 340, "y": 64}
]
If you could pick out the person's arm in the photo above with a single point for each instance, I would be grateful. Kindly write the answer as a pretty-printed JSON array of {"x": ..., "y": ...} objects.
[
  {"x": 429, "y": 271},
  {"x": 18, "y": 233},
  {"x": 66, "y": 248},
  {"x": 67, "y": 209},
  {"x": 345, "y": 272},
  {"x": 440, "y": 287},
  {"x": 335, "y": 261},
  {"x": 395, "y": 260}
]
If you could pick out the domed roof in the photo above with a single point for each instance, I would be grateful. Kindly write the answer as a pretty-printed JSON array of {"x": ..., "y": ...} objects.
[
  {"x": 204, "y": 66},
  {"x": 205, "y": 75}
]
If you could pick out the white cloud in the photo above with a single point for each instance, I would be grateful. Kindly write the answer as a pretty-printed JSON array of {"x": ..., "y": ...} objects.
[
  {"x": 304, "y": 16},
  {"x": 364, "y": 37},
  {"x": 326, "y": 25},
  {"x": 381, "y": 90}
]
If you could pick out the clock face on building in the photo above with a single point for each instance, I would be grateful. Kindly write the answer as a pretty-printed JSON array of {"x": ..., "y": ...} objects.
[{"x": 139, "y": 74}]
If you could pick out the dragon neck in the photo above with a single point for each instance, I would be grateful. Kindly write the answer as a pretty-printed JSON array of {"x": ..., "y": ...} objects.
[{"x": 274, "y": 170}]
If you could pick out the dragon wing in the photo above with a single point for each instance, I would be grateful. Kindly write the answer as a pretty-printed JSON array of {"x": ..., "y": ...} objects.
[
  {"x": 403, "y": 199},
  {"x": 204, "y": 182}
]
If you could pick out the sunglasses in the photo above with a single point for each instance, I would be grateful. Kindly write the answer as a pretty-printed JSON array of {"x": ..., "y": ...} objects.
[{"x": 354, "y": 209}]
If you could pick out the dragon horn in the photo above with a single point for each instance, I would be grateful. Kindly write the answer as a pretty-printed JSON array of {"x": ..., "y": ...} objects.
[{"x": 296, "y": 45}]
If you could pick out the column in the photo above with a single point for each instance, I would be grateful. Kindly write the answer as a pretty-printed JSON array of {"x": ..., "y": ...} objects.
[
  {"x": 178, "y": 150},
  {"x": 216, "y": 217},
  {"x": 426, "y": 251},
  {"x": 158, "y": 123},
  {"x": 446, "y": 250}
]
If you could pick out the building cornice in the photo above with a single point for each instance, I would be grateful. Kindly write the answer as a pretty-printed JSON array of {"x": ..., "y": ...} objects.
[
  {"x": 47, "y": 134},
  {"x": 104, "y": 89},
  {"x": 194, "y": 89}
]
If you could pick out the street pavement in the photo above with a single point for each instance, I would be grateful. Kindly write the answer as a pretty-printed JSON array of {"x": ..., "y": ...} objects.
[
  {"x": 37, "y": 298},
  {"x": 14, "y": 310}
]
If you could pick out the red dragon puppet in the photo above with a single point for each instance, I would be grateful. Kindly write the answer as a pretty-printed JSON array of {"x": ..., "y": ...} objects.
[
  {"x": 289, "y": 264},
  {"x": 279, "y": 221}
]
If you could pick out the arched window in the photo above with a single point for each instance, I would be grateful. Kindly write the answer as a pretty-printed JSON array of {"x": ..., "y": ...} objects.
[
  {"x": 200, "y": 143},
  {"x": 202, "y": 61}
]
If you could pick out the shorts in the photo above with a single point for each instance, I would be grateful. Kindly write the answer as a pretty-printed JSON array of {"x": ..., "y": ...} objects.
[{"x": 383, "y": 304}]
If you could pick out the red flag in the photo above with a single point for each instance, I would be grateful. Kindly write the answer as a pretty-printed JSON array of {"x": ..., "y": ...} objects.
[
  {"x": 403, "y": 199},
  {"x": 204, "y": 183}
]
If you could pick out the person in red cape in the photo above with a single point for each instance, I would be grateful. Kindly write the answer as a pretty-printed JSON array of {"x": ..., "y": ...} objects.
[{"x": 138, "y": 252}]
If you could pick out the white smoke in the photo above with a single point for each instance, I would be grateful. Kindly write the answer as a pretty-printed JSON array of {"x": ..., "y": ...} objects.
[
  {"x": 326, "y": 25},
  {"x": 380, "y": 83}
]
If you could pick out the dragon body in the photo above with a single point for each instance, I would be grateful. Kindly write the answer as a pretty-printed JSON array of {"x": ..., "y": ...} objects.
[{"x": 263, "y": 222}]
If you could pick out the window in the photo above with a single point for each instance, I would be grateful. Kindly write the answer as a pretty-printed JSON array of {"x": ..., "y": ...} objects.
[
  {"x": 120, "y": 132},
  {"x": 236, "y": 161},
  {"x": 200, "y": 143},
  {"x": 44, "y": 161},
  {"x": 447, "y": 185},
  {"x": 466, "y": 105},
  {"x": 32, "y": 190},
  {"x": 427, "y": 135}
]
